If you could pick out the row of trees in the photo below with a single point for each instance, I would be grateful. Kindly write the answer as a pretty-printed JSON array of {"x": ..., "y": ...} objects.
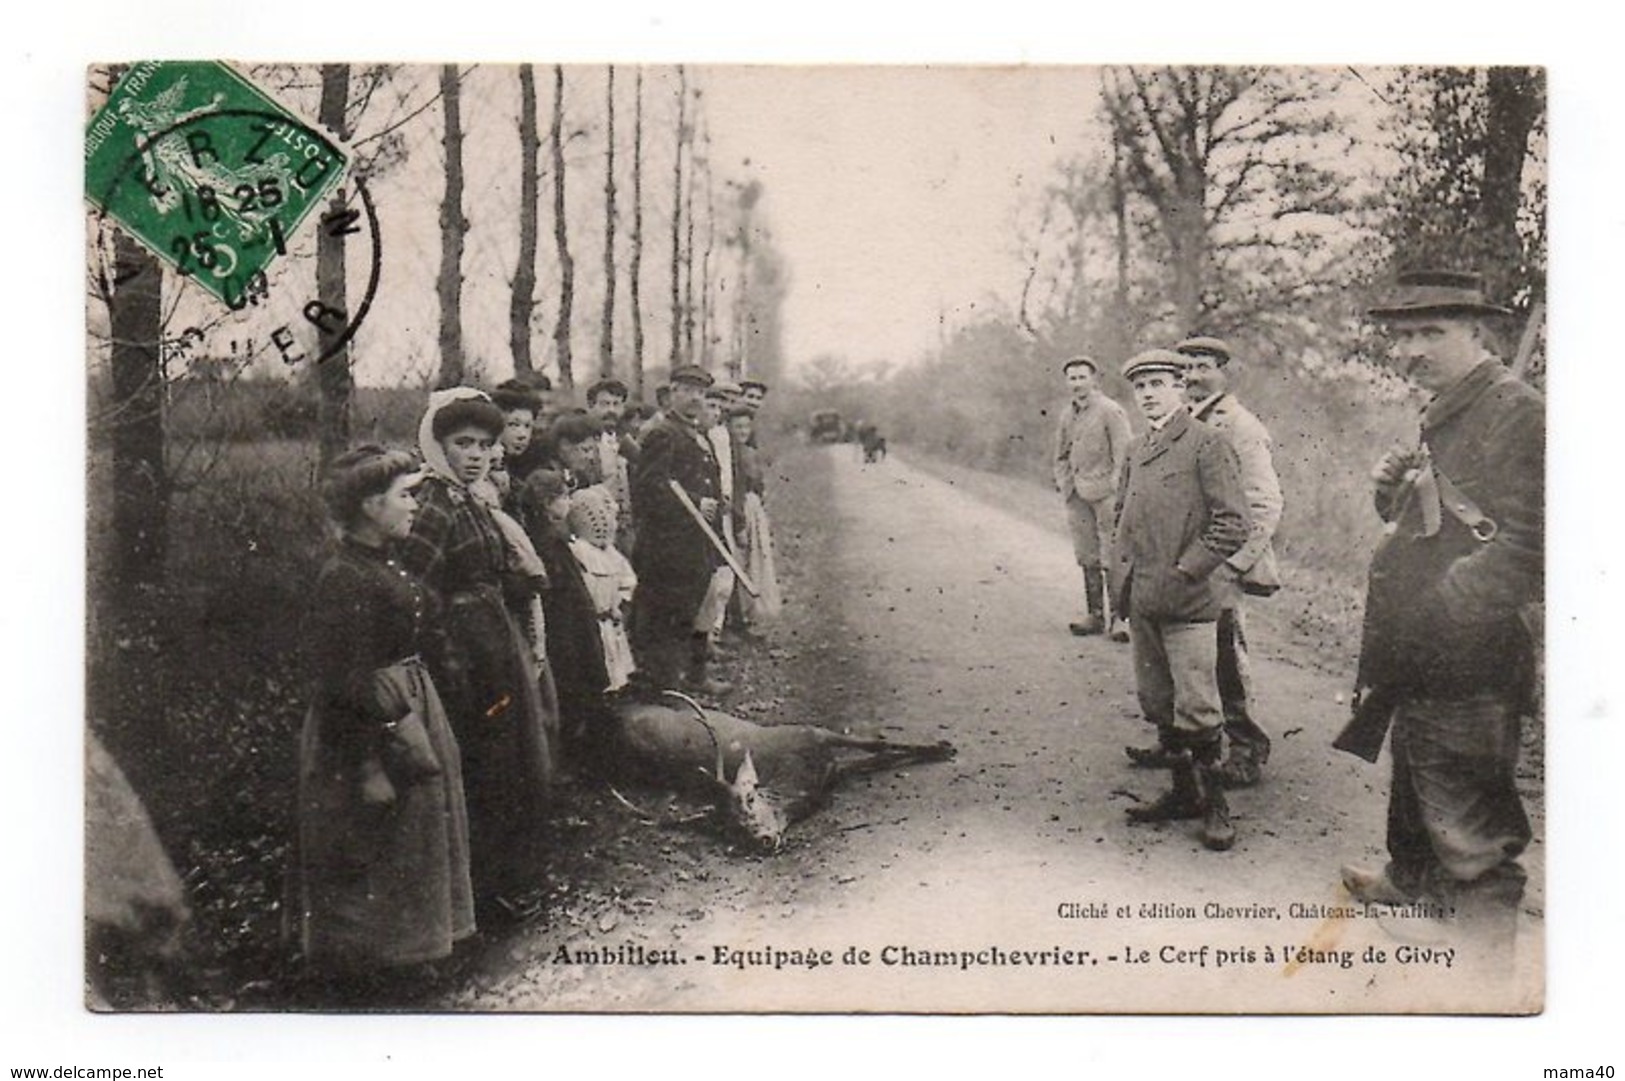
[
  {"x": 704, "y": 214},
  {"x": 1252, "y": 201},
  {"x": 685, "y": 268},
  {"x": 1262, "y": 205}
]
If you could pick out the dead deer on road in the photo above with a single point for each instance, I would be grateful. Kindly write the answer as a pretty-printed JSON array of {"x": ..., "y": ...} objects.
[{"x": 781, "y": 773}]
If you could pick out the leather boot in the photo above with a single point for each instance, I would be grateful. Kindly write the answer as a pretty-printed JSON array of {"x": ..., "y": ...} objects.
[
  {"x": 1094, "y": 599},
  {"x": 700, "y": 680},
  {"x": 660, "y": 663},
  {"x": 1162, "y": 756},
  {"x": 1217, "y": 832},
  {"x": 1374, "y": 887},
  {"x": 1240, "y": 768},
  {"x": 1089, "y": 626},
  {"x": 1183, "y": 800},
  {"x": 1116, "y": 622}
]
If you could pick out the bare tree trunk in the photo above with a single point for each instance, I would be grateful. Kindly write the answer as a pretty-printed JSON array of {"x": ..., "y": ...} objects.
[
  {"x": 140, "y": 477},
  {"x": 606, "y": 342},
  {"x": 1189, "y": 241},
  {"x": 561, "y": 236},
  {"x": 1120, "y": 320},
  {"x": 1514, "y": 98},
  {"x": 523, "y": 304},
  {"x": 707, "y": 307},
  {"x": 333, "y": 375},
  {"x": 677, "y": 223},
  {"x": 688, "y": 265},
  {"x": 452, "y": 227},
  {"x": 741, "y": 312},
  {"x": 742, "y": 320},
  {"x": 637, "y": 243}
]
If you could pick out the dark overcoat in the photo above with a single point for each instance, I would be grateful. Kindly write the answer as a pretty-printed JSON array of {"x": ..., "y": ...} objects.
[
  {"x": 1181, "y": 512},
  {"x": 1443, "y": 611},
  {"x": 671, "y": 555}
]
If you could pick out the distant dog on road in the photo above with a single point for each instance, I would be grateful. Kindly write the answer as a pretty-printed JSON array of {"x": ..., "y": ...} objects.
[{"x": 874, "y": 446}]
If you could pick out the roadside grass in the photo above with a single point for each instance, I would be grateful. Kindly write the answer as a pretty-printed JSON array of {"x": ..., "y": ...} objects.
[{"x": 198, "y": 688}]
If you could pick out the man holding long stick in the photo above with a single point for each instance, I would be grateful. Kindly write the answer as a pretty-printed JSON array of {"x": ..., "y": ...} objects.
[{"x": 673, "y": 557}]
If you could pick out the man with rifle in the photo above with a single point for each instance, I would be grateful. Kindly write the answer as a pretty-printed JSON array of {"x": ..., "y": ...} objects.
[
  {"x": 1446, "y": 659},
  {"x": 672, "y": 554}
]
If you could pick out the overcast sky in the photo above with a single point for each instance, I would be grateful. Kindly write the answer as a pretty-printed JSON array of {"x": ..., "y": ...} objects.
[{"x": 893, "y": 193}]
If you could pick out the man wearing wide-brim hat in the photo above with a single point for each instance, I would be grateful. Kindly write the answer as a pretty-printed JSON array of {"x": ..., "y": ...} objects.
[
  {"x": 1445, "y": 656},
  {"x": 1180, "y": 514}
]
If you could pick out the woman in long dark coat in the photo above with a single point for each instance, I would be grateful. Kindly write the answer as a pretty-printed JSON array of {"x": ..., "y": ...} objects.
[
  {"x": 381, "y": 875},
  {"x": 574, "y": 646},
  {"x": 482, "y": 666}
]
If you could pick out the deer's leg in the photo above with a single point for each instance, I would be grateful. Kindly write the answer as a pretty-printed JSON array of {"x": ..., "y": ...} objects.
[
  {"x": 941, "y": 748},
  {"x": 886, "y": 754}
]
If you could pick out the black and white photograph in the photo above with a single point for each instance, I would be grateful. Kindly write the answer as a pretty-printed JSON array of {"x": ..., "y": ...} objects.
[
  {"x": 693, "y": 542},
  {"x": 577, "y": 538}
]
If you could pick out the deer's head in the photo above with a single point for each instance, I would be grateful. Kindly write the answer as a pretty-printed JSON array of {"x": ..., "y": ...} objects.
[{"x": 749, "y": 809}]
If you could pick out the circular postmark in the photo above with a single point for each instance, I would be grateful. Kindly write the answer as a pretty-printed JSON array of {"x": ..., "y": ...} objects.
[{"x": 233, "y": 199}]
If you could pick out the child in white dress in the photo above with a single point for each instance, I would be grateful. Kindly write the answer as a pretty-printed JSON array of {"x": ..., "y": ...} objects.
[{"x": 609, "y": 577}]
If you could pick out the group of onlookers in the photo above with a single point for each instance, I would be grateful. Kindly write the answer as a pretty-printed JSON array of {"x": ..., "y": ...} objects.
[
  {"x": 491, "y": 596},
  {"x": 494, "y": 592},
  {"x": 1174, "y": 528}
]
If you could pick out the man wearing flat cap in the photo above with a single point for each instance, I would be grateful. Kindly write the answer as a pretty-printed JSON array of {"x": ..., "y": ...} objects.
[
  {"x": 1446, "y": 659},
  {"x": 1181, "y": 513},
  {"x": 752, "y": 393},
  {"x": 671, "y": 555},
  {"x": 1091, "y": 439},
  {"x": 1252, "y": 570}
]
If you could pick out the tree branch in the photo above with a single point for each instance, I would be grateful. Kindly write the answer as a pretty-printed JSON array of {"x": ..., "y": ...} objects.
[{"x": 415, "y": 113}]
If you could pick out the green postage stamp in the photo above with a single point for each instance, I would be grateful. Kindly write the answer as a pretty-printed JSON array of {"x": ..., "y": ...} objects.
[{"x": 207, "y": 171}]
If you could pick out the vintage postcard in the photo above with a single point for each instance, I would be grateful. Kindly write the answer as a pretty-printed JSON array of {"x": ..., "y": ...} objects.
[{"x": 948, "y": 540}]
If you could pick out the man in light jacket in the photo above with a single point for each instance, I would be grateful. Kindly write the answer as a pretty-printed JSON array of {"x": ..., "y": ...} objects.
[
  {"x": 1252, "y": 570},
  {"x": 1091, "y": 439}
]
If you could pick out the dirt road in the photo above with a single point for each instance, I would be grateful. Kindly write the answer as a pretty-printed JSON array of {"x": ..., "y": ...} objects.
[{"x": 935, "y": 615}]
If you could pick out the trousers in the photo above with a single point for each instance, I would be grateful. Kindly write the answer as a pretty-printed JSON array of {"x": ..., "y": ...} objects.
[
  {"x": 1174, "y": 675},
  {"x": 1456, "y": 824},
  {"x": 1091, "y": 527},
  {"x": 1234, "y": 671}
]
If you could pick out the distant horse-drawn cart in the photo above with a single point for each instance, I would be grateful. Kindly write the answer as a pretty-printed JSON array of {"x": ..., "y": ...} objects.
[{"x": 825, "y": 426}]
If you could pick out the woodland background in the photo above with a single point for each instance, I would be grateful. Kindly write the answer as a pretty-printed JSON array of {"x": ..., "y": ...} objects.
[{"x": 1264, "y": 205}]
